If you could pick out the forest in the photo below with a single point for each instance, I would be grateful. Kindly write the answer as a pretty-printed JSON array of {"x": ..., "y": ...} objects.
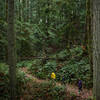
[{"x": 49, "y": 50}]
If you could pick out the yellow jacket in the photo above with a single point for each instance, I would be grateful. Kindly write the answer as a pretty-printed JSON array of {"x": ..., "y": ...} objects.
[{"x": 53, "y": 75}]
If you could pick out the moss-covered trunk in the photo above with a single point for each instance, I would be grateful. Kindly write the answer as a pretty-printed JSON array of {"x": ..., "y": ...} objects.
[
  {"x": 89, "y": 35},
  {"x": 11, "y": 50},
  {"x": 96, "y": 47}
]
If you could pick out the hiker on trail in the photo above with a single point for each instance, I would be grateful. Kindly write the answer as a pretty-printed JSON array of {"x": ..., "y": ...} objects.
[
  {"x": 53, "y": 75},
  {"x": 63, "y": 78},
  {"x": 80, "y": 85}
]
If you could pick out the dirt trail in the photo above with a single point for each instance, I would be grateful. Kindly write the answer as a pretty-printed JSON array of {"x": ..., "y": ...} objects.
[{"x": 71, "y": 89}]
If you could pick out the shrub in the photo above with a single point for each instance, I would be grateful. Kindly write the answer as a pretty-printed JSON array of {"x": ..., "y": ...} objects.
[
  {"x": 4, "y": 82},
  {"x": 46, "y": 91}
]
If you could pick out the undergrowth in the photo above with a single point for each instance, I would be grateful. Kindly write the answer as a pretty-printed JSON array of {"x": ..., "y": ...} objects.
[
  {"x": 71, "y": 64},
  {"x": 28, "y": 89}
]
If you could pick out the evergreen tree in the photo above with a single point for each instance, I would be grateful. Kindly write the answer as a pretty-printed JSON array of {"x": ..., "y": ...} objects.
[
  {"x": 96, "y": 46},
  {"x": 11, "y": 49}
]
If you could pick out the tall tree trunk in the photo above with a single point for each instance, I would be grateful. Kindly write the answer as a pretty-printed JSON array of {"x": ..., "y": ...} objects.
[
  {"x": 89, "y": 34},
  {"x": 96, "y": 47},
  {"x": 11, "y": 50},
  {"x": 23, "y": 10},
  {"x": 6, "y": 9},
  {"x": 28, "y": 10},
  {"x": 20, "y": 10},
  {"x": 31, "y": 11}
]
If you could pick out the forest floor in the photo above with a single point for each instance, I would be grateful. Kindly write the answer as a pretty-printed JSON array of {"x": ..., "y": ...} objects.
[{"x": 71, "y": 89}]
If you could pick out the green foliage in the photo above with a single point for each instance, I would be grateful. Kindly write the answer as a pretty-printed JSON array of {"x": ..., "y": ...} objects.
[
  {"x": 51, "y": 27},
  {"x": 50, "y": 67},
  {"x": 73, "y": 71},
  {"x": 4, "y": 87},
  {"x": 47, "y": 91},
  {"x": 52, "y": 24},
  {"x": 63, "y": 55},
  {"x": 24, "y": 64},
  {"x": 3, "y": 68},
  {"x": 90, "y": 98},
  {"x": 3, "y": 41},
  {"x": 4, "y": 82},
  {"x": 73, "y": 96},
  {"x": 77, "y": 51},
  {"x": 73, "y": 66}
]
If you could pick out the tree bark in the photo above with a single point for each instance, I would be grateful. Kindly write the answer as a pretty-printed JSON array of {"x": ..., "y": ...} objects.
[
  {"x": 96, "y": 47},
  {"x": 6, "y": 9},
  {"x": 89, "y": 34},
  {"x": 27, "y": 10},
  {"x": 11, "y": 50}
]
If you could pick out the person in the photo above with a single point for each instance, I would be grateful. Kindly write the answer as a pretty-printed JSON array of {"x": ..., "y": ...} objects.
[
  {"x": 63, "y": 79},
  {"x": 53, "y": 75},
  {"x": 80, "y": 85}
]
